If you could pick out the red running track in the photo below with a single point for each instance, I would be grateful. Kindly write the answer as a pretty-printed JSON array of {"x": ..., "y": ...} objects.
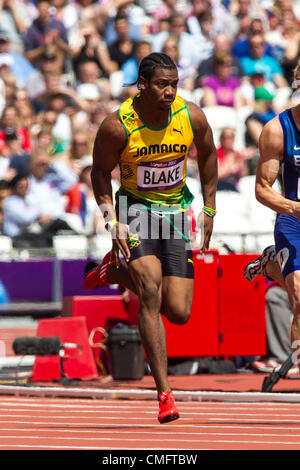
[{"x": 30, "y": 423}]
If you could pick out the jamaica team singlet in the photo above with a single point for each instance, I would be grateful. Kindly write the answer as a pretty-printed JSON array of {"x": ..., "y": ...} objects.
[{"x": 153, "y": 161}]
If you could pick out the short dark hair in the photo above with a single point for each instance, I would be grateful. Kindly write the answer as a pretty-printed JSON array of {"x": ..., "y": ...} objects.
[
  {"x": 15, "y": 180},
  {"x": 153, "y": 61}
]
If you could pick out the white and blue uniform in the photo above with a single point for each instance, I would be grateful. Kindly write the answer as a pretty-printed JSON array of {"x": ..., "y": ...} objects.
[{"x": 287, "y": 227}]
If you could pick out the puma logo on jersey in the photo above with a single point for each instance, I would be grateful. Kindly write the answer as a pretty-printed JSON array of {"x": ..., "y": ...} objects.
[{"x": 177, "y": 130}]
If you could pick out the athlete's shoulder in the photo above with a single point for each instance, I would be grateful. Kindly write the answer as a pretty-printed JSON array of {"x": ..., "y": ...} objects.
[
  {"x": 196, "y": 113},
  {"x": 111, "y": 130},
  {"x": 271, "y": 137},
  {"x": 112, "y": 125}
]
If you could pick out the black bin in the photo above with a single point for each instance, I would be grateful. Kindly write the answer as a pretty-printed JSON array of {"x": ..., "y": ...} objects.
[{"x": 126, "y": 353}]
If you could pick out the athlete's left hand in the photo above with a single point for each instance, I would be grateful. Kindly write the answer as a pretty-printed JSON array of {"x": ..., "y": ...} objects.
[{"x": 205, "y": 227}]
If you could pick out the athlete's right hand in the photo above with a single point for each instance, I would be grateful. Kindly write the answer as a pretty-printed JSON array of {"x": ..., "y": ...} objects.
[{"x": 120, "y": 233}]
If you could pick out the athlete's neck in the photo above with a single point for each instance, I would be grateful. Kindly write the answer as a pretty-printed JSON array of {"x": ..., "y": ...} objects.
[
  {"x": 151, "y": 115},
  {"x": 296, "y": 115}
]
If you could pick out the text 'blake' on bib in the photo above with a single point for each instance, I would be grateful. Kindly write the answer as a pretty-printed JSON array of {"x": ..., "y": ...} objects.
[{"x": 160, "y": 175}]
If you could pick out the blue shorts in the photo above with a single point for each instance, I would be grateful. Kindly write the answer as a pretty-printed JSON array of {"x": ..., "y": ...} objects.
[{"x": 287, "y": 243}]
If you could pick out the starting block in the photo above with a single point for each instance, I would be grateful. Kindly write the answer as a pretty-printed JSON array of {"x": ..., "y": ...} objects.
[{"x": 79, "y": 366}]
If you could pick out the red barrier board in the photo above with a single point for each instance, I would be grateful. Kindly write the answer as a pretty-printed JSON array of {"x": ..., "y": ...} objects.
[
  {"x": 242, "y": 329},
  {"x": 199, "y": 336},
  {"x": 69, "y": 330}
]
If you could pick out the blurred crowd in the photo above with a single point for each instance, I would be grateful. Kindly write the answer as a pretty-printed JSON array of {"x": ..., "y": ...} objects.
[{"x": 66, "y": 64}]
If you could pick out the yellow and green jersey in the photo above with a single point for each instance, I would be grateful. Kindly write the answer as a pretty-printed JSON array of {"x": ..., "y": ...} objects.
[{"x": 153, "y": 161}]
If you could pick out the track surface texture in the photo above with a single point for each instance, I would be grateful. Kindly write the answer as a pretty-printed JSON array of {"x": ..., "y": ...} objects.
[{"x": 35, "y": 423}]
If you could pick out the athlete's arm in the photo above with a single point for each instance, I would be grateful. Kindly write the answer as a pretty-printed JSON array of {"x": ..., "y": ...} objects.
[
  {"x": 109, "y": 141},
  {"x": 271, "y": 151},
  {"x": 208, "y": 165}
]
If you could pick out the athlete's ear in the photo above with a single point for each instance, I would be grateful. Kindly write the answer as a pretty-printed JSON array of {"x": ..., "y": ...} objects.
[{"x": 143, "y": 83}]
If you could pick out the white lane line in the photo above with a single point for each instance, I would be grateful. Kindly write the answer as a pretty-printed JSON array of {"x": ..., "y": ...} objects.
[
  {"x": 89, "y": 402},
  {"x": 175, "y": 440},
  {"x": 22, "y": 446},
  {"x": 134, "y": 406},
  {"x": 145, "y": 418},
  {"x": 95, "y": 432},
  {"x": 96, "y": 412},
  {"x": 79, "y": 425},
  {"x": 93, "y": 400}
]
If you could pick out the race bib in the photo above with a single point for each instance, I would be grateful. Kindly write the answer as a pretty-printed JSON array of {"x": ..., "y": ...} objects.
[{"x": 160, "y": 175}]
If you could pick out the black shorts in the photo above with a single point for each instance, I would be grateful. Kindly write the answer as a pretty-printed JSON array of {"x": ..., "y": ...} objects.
[{"x": 165, "y": 235}]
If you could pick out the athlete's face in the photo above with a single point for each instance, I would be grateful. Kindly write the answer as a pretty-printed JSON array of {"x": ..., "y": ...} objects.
[{"x": 162, "y": 88}]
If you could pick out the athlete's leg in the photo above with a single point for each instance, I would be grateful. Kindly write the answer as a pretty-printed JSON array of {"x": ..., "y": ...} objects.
[
  {"x": 177, "y": 299},
  {"x": 273, "y": 271},
  {"x": 292, "y": 282},
  {"x": 146, "y": 274},
  {"x": 121, "y": 276}
]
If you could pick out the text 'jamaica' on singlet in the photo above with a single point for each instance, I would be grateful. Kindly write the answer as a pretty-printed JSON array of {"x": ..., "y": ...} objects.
[
  {"x": 291, "y": 156},
  {"x": 153, "y": 162}
]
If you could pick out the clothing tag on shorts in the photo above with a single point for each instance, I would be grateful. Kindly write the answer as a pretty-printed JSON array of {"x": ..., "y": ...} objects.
[{"x": 160, "y": 175}]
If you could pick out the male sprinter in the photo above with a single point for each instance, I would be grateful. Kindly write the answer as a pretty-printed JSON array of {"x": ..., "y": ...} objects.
[
  {"x": 149, "y": 137},
  {"x": 280, "y": 145}
]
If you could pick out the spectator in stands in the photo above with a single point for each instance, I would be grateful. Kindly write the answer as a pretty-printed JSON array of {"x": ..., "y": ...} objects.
[
  {"x": 48, "y": 182},
  {"x": 206, "y": 68},
  {"x": 205, "y": 38},
  {"x": 18, "y": 214},
  {"x": 186, "y": 71},
  {"x": 163, "y": 11},
  {"x": 231, "y": 163},
  {"x": 10, "y": 121},
  {"x": 24, "y": 221},
  {"x": 20, "y": 67},
  {"x": 177, "y": 27},
  {"x": 80, "y": 146},
  {"x": 10, "y": 82},
  {"x": 4, "y": 193},
  {"x": 81, "y": 200},
  {"x": 130, "y": 67},
  {"x": 222, "y": 20},
  {"x": 222, "y": 88},
  {"x": 258, "y": 61},
  {"x": 88, "y": 9},
  {"x": 241, "y": 46},
  {"x": 282, "y": 6},
  {"x": 36, "y": 85},
  {"x": 18, "y": 158},
  {"x": 46, "y": 34},
  {"x": 123, "y": 48},
  {"x": 69, "y": 15},
  {"x": 44, "y": 141},
  {"x": 247, "y": 9},
  {"x": 13, "y": 22},
  {"x": 291, "y": 56},
  {"x": 62, "y": 129},
  {"x": 89, "y": 72},
  {"x": 264, "y": 111},
  {"x": 280, "y": 38},
  {"x": 94, "y": 49},
  {"x": 136, "y": 21}
]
